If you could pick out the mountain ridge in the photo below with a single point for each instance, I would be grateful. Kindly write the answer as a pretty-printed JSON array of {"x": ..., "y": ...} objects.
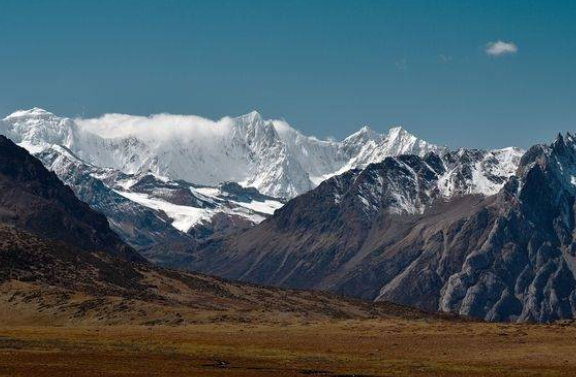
[
  {"x": 387, "y": 233},
  {"x": 133, "y": 176},
  {"x": 36, "y": 200},
  {"x": 270, "y": 155}
]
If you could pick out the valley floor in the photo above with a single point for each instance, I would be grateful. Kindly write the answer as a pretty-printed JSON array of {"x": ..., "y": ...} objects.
[{"x": 386, "y": 347}]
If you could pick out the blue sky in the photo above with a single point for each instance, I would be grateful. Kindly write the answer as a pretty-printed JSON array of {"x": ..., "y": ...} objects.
[{"x": 327, "y": 67}]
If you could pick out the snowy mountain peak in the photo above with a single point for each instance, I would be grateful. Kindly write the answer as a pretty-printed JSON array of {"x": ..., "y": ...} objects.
[
  {"x": 269, "y": 155},
  {"x": 255, "y": 115},
  {"x": 401, "y": 135},
  {"x": 363, "y": 134},
  {"x": 401, "y": 140},
  {"x": 34, "y": 112},
  {"x": 252, "y": 117},
  {"x": 366, "y": 130},
  {"x": 35, "y": 128},
  {"x": 397, "y": 131}
]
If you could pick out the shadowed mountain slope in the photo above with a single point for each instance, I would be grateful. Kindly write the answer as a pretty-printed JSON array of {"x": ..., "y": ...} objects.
[
  {"x": 34, "y": 199},
  {"x": 386, "y": 233}
]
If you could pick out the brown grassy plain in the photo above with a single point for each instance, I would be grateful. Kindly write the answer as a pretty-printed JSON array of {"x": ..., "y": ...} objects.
[
  {"x": 65, "y": 313},
  {"x": 372, "y": 347}
]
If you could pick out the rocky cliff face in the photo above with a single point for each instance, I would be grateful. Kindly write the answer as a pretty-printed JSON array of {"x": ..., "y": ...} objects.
[
  {"x": 525, "y": 269},
  {"x": 388, "y": 232}
]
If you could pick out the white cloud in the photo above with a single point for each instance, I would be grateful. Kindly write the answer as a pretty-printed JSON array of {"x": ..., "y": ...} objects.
[
  {"x": 500, "y": 48},
  {"x": 159, "y": 128},
  {"x": 156, "y": 127}
]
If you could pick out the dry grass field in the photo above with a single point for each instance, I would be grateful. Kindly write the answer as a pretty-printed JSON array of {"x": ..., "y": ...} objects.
[
  {"x": 65, "y": 312},
  {"x": 384, "y": 347}
]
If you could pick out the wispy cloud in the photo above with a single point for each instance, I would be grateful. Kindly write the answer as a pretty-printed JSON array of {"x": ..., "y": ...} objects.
[
  {"x": 499, "y": 48},
  {"x": 157, "y": 128},
  {"x": 445, "y": 58},
  {"x": 402, "y": 65}
]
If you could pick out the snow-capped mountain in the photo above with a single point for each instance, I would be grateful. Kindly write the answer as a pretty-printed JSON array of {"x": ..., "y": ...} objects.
[
  {"x": 177, "y": 180},
  {"x": 269, "y": 155},
  {"x": 404, "y": 230},
  {"x": 150, "y": 211}
]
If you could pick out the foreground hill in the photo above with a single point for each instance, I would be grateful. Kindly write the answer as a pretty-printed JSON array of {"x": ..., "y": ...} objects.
[
  {"x": 388, "y": 233},
  {"x": 49, "y": 282},
  {"x": 60, "y": 263},
  {"x": 35, "y": 200}
]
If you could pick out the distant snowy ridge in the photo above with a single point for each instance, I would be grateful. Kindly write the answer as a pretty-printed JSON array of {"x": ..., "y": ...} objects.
[
  {"x": 167, "y": 183},
  {"x": 148, "y": 210},
  {"x": 269, "y": 155}
]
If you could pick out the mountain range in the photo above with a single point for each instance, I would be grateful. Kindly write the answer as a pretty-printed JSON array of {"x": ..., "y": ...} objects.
[
  {"x": 164, "y": 192},
  {"x": 390, "y": 232},
  {"x": 60, "y": 264},
  {"x": 268, "y": 155},
  {"x": 482, "y": 233}
]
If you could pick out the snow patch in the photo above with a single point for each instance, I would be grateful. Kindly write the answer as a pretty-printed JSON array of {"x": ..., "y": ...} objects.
[
  {"x": 183, "y": 217},
  {"x": 267, "y": 207}
]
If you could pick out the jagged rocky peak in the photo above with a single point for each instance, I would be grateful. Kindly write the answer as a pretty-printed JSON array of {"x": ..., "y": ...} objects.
[
  {"x": 400, "y": 141},
  {"x": 252, "y": 117},
  {"x": 250, "y": 121},
  {"x": 547, "y": 188},
  {"x": 398, "y": 132},
  {"x": 256, "y": 131},
  {"x": 558, "y": 157},
  {"x": 386, "y": 232}
]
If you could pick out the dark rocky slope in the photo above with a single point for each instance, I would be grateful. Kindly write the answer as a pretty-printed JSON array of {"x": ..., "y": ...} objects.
[
  {"x": 510, "y": 256},
  {"x": 35, "y": 200}
]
